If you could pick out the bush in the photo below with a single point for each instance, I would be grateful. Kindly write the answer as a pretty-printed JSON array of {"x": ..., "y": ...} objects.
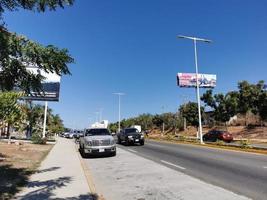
[
  {"x": 220, "y": 142},
  {"x": 37, "y": 139},
  {"x": 182, "y": 138},
  {"x": 245, "y": 144}
]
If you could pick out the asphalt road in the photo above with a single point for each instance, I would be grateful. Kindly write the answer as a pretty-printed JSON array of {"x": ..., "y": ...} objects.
[{"x": 239, "y": 172}]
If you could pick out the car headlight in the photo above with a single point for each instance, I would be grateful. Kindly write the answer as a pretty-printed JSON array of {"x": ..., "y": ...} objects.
[
  {"x": 88, "y": 143},
  {"x": 130, "y": 136},
  {"x": 142, "y": 136},
  {"x": 112, "y": 142}
]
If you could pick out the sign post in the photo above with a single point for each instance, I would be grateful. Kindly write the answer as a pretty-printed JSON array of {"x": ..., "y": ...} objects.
[{"x": 45, "y": 117}]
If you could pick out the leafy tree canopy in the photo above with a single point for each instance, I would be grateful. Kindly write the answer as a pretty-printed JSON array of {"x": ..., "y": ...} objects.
[
  {"x": 190, "y": 112},
  {"x": 224, "y": 106},
  {"x": 17, "y": 52}
]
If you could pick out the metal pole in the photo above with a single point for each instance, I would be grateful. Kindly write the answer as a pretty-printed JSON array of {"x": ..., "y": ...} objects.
[
  {"x": 119, "y": 113},
  {"x": 198, "y": 96},
  {"x": 45, "y": 116}
]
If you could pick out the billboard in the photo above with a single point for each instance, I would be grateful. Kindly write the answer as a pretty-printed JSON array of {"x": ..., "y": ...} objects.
[
  {"x": 50, "y": 86},
  {"x": 190, "y": 80}
]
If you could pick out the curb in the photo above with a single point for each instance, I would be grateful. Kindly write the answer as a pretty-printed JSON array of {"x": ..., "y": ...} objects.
[{"x": 87, "y": 173}]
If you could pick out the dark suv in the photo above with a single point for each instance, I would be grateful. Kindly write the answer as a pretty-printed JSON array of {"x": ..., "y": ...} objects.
[{"x": 130, "y": 136}]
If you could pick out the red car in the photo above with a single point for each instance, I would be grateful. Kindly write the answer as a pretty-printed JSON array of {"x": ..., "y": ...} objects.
[{"x": 215, "y": 135}]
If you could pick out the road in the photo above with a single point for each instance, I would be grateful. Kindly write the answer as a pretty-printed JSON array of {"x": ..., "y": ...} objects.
[{"x": 239, "y": 172}]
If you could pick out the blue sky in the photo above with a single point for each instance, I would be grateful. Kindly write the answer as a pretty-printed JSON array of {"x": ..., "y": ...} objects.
[{"x": 131, "y": 47}]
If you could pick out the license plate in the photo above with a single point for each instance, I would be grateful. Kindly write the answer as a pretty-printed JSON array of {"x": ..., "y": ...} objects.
[
  {"x": 137, "y": 140},
  {"x": 101, "y": 150}
]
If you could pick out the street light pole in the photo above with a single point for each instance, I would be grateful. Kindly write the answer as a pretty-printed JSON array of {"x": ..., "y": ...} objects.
[
  {"x": 196, "y": 64},
  {"x": 119, "y": 94}
]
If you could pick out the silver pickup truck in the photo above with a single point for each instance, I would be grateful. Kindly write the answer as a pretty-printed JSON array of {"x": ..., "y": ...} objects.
[{"x": 97, "y": 141}]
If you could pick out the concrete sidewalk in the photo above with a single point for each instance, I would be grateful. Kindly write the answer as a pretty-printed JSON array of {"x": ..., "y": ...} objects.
[{"x": 60, "y": 176}]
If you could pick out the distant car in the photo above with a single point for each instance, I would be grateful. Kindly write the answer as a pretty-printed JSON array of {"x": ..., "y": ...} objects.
[
  {"x": 97, "y": 141},
  {"x": 66, "y": 135},
  {"x": 215, "y": 135},
  {"x": 131, "y": 136}
]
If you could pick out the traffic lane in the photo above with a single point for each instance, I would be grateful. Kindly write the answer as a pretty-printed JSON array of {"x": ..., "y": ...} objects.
[
  {"x": 129, "y": 176},
  {"x": 236, "y": 171}
]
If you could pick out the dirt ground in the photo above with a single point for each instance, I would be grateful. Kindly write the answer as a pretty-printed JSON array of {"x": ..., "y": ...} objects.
[
  {"x": 17, "y": 163},
  {"x": 239, "y": 132}
]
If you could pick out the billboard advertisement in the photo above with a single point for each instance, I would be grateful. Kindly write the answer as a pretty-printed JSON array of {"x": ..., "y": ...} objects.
[
  {"x": 50, "y": 86},
  {"x": 190, "y": 80}
]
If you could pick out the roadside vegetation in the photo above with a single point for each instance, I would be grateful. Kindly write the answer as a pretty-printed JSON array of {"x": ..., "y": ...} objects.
[
  {"x": 16, "y": 54},
  {"x": 24, "y": 118},
  {"x": 242, "y": 112}
]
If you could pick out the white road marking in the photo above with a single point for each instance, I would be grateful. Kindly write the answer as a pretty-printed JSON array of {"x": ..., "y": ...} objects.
[
  {"x": 132, "y": 150},
  {"x": 168, "y": 163},
  {"x": 264, "y": 167}
]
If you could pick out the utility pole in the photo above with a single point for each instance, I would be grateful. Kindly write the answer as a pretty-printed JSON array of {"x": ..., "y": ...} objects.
[
  {"x": 119, "y": 94},
  {"x": 163, "y": 125},
  {"x": 197, "y": 81}
]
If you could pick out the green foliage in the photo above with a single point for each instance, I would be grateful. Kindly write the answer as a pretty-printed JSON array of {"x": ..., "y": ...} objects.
[
  {"x": 148, "y": 121},
  {"x": 55, "y": 124},
  {"x": 182, "y": 138},
  {"x": 245, "y": 144},
  {"x": 10, "y": 110},
  {"x": 190, "y": 112},
  {"x": 37, "y": 138},
  {"x": 249, "y": 96},
  {"x": 18, "y": 52},
  {"x": 224, "y": 106},
  {"x": 220, "y": 143},
  {"x": 34, "y": 5}
]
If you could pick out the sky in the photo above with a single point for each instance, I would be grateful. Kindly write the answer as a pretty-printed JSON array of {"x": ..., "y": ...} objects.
[{"x": 131, "y": 47}]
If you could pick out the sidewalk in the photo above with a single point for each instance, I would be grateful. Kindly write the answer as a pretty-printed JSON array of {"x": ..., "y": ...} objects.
[{"x": 60, "y": 176}]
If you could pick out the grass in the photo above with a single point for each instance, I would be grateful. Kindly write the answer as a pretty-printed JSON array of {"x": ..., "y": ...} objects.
[{"x": 20, "y": 161}]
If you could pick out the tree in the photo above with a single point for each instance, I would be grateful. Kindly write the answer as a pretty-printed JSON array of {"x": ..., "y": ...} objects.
[
  {"x": 18, "y": 52},
  {"x": 10, "y": 111},
  {"x": 224, "y": 106},
  {"x": 55, "y": 124},
  {"x": 190, "y": 112},
  {"x": 252, "y": 98},
  {"x": 34, "y": 5}
]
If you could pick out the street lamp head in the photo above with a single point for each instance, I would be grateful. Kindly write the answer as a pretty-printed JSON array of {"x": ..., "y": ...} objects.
[
  {"x": 193, "y": 38},
  {"x": 119, "y": 93}
]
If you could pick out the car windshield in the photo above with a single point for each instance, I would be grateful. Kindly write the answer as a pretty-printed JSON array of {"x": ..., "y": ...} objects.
[
  {"x": 93, "y": 132},
  {"x": 131, "y": 130}
]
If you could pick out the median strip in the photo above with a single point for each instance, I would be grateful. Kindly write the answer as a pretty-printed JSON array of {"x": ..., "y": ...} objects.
[{"x": 171, "y": 164}]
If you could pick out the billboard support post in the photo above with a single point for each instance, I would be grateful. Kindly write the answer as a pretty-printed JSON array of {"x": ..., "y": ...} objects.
[
  {"x": 45, "y": 117},
  {"x": 197, "y": 81},
  {"x": 198, "y": 96}
]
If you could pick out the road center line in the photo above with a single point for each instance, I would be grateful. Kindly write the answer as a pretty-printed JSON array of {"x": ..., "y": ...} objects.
[
  {"x": 132, "y": 150},
  {"x": 264, "y": 167},
  {"x": 171, "y": 164}
]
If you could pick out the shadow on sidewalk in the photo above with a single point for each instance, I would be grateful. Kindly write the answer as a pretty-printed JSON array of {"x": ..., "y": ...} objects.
[
  {"x": 11, "y": 179},
  {"x": 44, "y": 190},
  {"x": 47, "y": 170}
]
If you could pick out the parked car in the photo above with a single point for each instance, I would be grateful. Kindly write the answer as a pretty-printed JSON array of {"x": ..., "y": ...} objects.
[
  {"x": 131, "y": 136},
  {"x": 97, "y": 141},
  {"x": 215, "y": 135}
]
